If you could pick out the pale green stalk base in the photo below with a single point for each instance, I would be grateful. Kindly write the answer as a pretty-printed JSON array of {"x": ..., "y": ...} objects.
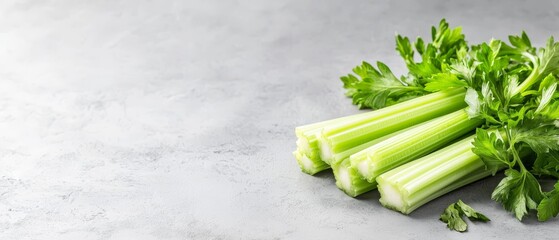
[
  {"x": 411, "y": 185},
  {"x": 307, "y": 153},
  {"x": 411, "y": 144},
  {"x": 308, "y": 164},
  {"x": 349, "y": 180},
  {"x": 337, "y": 138},
  {"x": 303, "y": 131}
]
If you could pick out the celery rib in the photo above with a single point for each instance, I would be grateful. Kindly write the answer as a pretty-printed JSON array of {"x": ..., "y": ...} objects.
[
  {"x": 307, "y": 153},
  {"x": 412, "y": 185},
  {"x": 339, "y": 137},
  {"x": 309, "y": 164},
  {"x": 349, "y": 180},
  {"x": 411, "y": 144}
]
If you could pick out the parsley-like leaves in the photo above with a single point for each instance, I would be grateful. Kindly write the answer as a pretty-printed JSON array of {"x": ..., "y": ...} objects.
[
  {"x": 518, "y": 192},
  {"x": 512, "y": 86},
  {"x": 453, "y": 216},
  {"x": 549, "y": 206},
  {"x": 547, "y": 164},
  {"x": 490, "y": 147},
  {"x": 377, "y": 88}
]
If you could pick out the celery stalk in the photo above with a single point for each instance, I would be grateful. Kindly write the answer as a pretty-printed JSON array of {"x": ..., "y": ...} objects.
[
  {"x": 306, "y": 134},
  {"x": 411, "y": 185},
  {"x": 307, "y": 153},
  {"x": 349, "y": 180},
  {"x": 411, "y": 144},
  {"x": 345, "y": 135},
  {"x": 308, "y": 164}
]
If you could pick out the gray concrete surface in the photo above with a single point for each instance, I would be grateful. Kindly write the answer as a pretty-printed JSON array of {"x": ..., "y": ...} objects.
[{"x": 174, "y": 119}]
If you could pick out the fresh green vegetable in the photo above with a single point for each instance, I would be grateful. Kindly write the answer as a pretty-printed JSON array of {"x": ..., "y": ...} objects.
[
  {"x": 453, "y": 216},
  {"x": 337, "y": 138},
  {"x": 549, "y": 206},
  {"x": 310, "y": 164},
  {"x": 411, "y": 185},
  {"x": 528, "y": 114},
  {"x": 349, "y": 180},
  {"x": 372, "y": 88},
  {"x": 412, "y": 144},
  {"x": 307, "y": 153},
  {"x": 512, "y": 98},
  {"x": 514, "y": 90}
]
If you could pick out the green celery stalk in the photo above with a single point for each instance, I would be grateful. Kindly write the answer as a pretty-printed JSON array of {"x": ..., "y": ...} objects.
[
  {"x": 339, "y": 137},
  {"x": 349, "y": 180},
  {"x": 302, "y": 131},
  {"x": 310, "y": 164},
  {"x": 411, "y": 144},
  {"x": 307, "y": 153},
  {"x": 306, "y": 134},
  {"x": 411, "y": 185}
]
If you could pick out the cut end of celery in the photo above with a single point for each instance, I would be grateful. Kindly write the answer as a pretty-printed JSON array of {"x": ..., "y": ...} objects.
[
  {"x": 363, "y": 168},
  {"x": 366, "y": 168},
  {"x": 303, "y": 144},
  {"x": 349, "y": 180},
  {"x": 391, "y": 197},
  {"x": 306, "y": 162},
  {"x": 344, "y": 179},
  {"x": 325, "y": 150},
  {"x": 309, "y": 165}
]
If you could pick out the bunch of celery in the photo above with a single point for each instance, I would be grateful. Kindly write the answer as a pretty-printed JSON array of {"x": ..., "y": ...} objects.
[{"x": 409, "y": 145}]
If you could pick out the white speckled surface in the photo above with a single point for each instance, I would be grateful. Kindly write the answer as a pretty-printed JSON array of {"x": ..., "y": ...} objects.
[{"x": 174, "y": 119}]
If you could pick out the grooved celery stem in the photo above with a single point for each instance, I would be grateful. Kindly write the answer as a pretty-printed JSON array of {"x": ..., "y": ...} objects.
[
  {"x": 349, "y": 180},
  {"x": 363, "y": 155},
  {"x": 342, "y": 136},
  {"x": 428, "y": 184},
  {"x": 306, "y": 135},
  {"x": 406, "y": 188},
  {"x": 475, "y": 175},
  {"x": 338, "y": 157},
  {"x": 393, "y": 122},
  {"x": 412, "y": 144},
  {"x": 310, "y": 164},
  {"x": 301, "y": 130},
  {"x": 414, "y": 169},
  {"x": 307, "y": 153}
]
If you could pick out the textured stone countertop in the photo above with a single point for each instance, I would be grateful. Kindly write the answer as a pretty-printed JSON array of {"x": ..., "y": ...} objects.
[{"x": 174, "y": 119}]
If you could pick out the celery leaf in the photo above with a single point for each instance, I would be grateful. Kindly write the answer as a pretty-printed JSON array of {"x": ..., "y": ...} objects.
[
  {"x": 442, "y": 81},
  {"x": 490, "y": 147},
  {"x": 471, "y": 213},
  {"x": 547, "y": 164},
  {"x": 549, "y": 206},
  {"x": 518, "y": 192},
  {"x": 541, "y": 135},
  {"x": 453, "y": 219},
  {"x": 375, "y": 88},
  {"x": 453, "y": 214}
]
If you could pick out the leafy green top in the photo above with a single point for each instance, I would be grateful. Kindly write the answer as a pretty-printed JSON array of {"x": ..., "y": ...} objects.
[
  {"x": 453, "y": 216},
  {"x": 374, "y": 88},
  {"x": 512, "y": 86},
  {"x": 377, "y": 88},
  {"x": 524, "y": 115}
]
